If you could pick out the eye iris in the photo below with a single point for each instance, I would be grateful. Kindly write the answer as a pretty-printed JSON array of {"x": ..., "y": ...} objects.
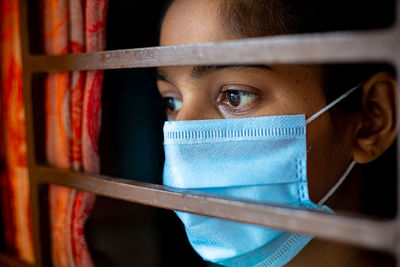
[
  {"x": 171, "y": 103},
  {"x": 234, "y": 98}
]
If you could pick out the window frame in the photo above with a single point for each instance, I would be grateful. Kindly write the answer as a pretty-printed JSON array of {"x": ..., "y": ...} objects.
[{"x": 332, "y": 47}]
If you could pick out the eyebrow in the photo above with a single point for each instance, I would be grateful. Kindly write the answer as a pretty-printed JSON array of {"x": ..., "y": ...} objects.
[{"x": 200, "y": 71}]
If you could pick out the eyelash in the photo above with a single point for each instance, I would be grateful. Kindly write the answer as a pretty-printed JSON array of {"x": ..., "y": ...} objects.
[
  {"x": 171, "y": 103},
  {"x": 243, "y": 93},
  {"x": 237, "y": 93}
]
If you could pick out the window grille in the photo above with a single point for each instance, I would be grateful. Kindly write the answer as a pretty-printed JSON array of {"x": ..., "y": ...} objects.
[{"x": 334, "y": 47}]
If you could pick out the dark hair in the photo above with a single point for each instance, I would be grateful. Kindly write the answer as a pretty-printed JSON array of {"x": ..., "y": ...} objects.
[
  {"x": 273, "y": 17},
  {"x": 256, "y": 18}
]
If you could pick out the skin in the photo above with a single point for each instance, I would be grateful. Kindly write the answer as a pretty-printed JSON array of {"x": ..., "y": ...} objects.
[{"x": 197, "y": 93}]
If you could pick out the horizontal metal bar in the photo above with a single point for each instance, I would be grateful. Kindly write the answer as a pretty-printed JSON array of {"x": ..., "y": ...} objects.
[
  {"x": 306, "y": 48},
  {"x": 363, "y": 232}
]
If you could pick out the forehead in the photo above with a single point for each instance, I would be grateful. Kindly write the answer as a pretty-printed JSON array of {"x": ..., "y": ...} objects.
[{"x": 191, "y": 21}]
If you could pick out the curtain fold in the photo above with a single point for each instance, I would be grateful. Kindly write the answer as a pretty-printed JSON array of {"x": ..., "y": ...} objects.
[
  {"x": 72, "y": 115},
  {"x": 14, "y": 169},
  {"x": 73, "y": 108}
]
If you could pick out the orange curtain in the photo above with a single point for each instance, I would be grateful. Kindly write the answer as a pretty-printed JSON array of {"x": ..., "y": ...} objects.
[
  {"x": 14, "y": 175},
  {"x": 73, "y": 103}
]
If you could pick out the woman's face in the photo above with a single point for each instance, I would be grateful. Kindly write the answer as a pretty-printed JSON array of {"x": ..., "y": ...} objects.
[{"x": 218, "y": 92}]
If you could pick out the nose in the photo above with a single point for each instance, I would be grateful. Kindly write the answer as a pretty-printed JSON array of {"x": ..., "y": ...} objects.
[
  {"x": 190, "y": 112},
  {"x": 197, "y": 108}
]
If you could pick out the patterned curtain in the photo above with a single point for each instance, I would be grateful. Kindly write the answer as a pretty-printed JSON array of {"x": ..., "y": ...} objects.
[
  {"x": 72, "y": 108},
  {"x": 14, "y": 170},
  {"x": 73, "y": 102}
]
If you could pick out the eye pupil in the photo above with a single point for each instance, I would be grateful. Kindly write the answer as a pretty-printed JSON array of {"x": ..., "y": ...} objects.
[
  {"x": 234, "y": 98},
  {"x": 171, "y": 103}
]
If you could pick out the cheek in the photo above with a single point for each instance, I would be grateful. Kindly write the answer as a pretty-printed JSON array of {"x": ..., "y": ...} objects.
[{"x": 328, "y": 154}]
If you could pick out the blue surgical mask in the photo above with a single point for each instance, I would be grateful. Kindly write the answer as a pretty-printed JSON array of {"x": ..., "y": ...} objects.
[{"x": 260, "y": 159}]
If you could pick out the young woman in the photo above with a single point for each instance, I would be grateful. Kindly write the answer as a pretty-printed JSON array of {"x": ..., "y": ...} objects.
[{"x": 359, "y": 128}]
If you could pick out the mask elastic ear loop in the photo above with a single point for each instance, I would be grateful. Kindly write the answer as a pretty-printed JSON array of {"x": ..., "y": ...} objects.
[
  {"x": 337, "y": 100},
  {"x": 338, "y": 183}
]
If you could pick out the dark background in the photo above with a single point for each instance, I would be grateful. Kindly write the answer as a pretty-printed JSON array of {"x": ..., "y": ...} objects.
[{"x": 121, "y": 233}]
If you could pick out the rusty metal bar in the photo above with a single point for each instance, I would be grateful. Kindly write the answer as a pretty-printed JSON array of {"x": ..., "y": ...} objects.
[
  {"x": 29, "y": 122},
  {"x": 341, "y": 47},
  {"x": 368, "y": 233}
]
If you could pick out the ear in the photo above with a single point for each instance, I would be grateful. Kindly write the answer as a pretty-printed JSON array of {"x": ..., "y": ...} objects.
[{"x": 378, "y": 128}]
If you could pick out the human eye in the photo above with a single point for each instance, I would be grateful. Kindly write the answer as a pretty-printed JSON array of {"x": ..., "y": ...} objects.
[
  {"x": 172, "y": 104},
  {"x": 237, "y": 97},
  {"x": 171, "y": 98}
]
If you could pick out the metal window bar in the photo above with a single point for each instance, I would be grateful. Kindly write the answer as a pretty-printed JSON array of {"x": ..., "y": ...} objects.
[{"x": 372, "y": 46}]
